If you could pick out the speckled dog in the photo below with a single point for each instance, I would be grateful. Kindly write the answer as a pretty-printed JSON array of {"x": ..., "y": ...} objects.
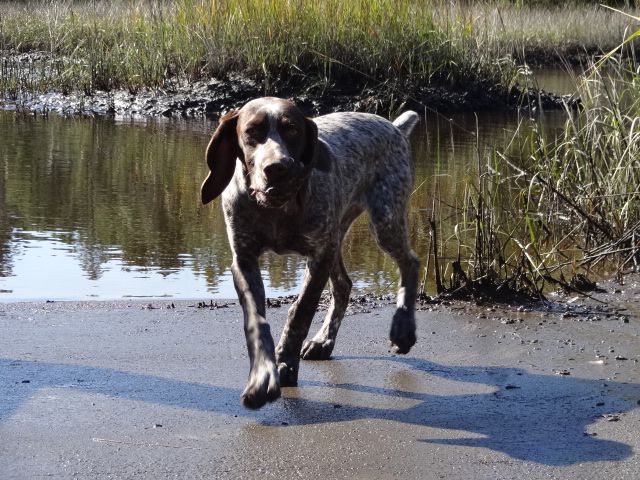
[{"x": 294, "y": 184}]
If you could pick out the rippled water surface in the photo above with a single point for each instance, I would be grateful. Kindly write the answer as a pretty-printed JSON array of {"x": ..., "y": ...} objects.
[{"x": 101, "y": 208}]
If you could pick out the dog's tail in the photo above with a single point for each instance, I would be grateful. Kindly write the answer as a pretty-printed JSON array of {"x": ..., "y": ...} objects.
[{"x": 406, "y": 122}]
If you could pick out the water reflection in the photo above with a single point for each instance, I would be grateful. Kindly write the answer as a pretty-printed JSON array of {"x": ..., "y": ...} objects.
[{"x": 102, "y": 208}]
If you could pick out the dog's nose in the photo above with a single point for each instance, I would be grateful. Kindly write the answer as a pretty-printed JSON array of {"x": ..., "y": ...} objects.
[{"x": 275, "y": 170}]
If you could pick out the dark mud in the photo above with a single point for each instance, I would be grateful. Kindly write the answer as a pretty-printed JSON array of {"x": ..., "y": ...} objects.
[
  {"x": 212, "y": 97},
  {"x": 609, "y": 300}
]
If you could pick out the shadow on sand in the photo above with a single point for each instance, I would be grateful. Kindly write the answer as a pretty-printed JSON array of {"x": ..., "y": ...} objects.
[{"x": 528, "y": 416}]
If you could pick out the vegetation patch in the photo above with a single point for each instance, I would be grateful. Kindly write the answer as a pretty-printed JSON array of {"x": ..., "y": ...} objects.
[
  {"x": 385, "y": 48},
  {"x": 552, "y": 208}
]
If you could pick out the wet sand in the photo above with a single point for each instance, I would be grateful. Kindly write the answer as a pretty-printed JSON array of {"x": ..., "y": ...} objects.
[{"x": 120, "y": 390}]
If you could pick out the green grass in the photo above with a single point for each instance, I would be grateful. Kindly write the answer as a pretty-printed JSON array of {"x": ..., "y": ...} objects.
[{"x": 134, "y": 44}]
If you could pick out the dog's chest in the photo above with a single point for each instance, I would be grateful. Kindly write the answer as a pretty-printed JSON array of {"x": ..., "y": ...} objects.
[{"x": 294, "y": 235}]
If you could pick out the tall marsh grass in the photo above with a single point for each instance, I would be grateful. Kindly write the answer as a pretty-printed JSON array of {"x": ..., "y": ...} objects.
[
  {"x": 555, "y": 205},
  {"x": 591, "y": 170},
  {"x": 133, "y": 44}
]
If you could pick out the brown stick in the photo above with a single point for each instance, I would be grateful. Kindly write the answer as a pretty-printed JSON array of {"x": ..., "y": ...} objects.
[{"x": 436, "y": 266}]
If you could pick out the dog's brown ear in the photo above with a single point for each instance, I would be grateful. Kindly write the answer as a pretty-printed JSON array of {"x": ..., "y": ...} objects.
[
  {"x": 221, "y": 157},
  {"x": 313, "y": 151}
]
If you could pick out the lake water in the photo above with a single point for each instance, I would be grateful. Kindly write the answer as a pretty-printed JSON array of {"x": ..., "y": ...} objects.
[{"x": 98, "y": 208}]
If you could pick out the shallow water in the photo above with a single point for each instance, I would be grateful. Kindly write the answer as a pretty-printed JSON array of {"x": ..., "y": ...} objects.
[{"x": 103, "y": 208}]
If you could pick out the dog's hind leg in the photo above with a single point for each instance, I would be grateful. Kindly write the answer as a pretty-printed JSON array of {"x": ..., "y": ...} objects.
[
  {"x": 387, "y": 211},
  {"x": 393, "y": 239}
]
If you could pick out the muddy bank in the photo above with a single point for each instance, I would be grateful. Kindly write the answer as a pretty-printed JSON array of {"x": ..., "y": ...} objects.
[
  {"x": 610, "y": 301},
  {"x": 136, "y": 389},
  {"x": 210, "y": 98}
]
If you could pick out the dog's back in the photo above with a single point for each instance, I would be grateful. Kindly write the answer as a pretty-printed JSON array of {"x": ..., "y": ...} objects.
[{"x": 371, "y": 168}]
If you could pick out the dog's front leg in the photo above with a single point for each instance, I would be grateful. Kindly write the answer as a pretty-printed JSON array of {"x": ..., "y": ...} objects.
[
  {"x": 263, "y": 385},
  {"x": 300, "y": 316}
]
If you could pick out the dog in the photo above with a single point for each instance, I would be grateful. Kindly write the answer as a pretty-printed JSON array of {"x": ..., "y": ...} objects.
[{"x": 291, "y": 184}]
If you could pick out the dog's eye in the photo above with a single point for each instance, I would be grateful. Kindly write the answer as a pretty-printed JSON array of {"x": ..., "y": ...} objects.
[
  {"x": 290, "y": 130},
  {"x": 253, "y": 135}
]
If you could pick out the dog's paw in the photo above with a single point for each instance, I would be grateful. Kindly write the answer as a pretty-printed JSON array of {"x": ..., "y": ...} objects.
[
  {"x": 403, "y": 332},
  {"x": 288, "y": 374},
  {"x": 262, "y": 387},
  {"x": 313, "y": 350}
]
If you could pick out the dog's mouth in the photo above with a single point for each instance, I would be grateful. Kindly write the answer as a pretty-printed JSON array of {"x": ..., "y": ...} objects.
[{"x": 271, "y": 196}]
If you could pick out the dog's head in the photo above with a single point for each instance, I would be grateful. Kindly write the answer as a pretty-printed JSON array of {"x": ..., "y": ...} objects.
[{"x": 276, "y": 144}]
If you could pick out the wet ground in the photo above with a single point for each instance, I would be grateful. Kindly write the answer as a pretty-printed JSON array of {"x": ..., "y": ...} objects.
[{"x": 133, "y": 389}]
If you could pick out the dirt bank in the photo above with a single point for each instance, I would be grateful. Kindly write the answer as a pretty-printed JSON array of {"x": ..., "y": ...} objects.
[{"x": 210, "y": 98}]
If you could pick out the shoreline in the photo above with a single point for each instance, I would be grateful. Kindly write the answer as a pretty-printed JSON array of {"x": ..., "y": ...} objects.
[
  {"x": 213, "y": 97},
  {"x": 612, "y": 301}
]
